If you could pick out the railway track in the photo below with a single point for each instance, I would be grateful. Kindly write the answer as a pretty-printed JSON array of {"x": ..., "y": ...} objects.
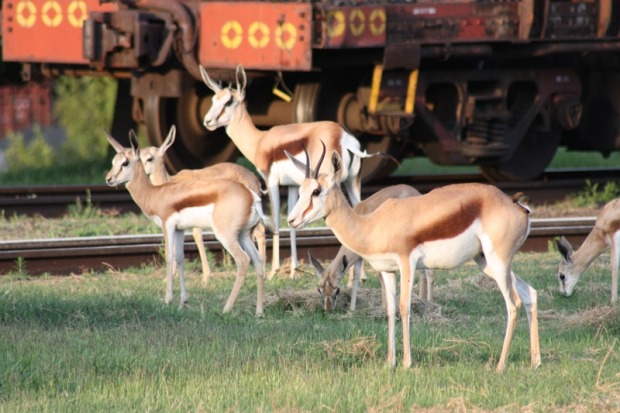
[
  {"x": 79, "y": 255},
  {"x": 53, "y": 201}
]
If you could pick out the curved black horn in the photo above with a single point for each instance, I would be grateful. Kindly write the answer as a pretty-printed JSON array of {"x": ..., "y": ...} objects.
[
  {"x": 318, "y": 164},
  {"x": 307, "y": 160}
]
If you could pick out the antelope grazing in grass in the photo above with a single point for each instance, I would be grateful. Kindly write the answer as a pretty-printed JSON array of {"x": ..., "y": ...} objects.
[
  {"x": 439, "y": 230},
  {"x": 329, "y": 278},
  {"x": 605, "y": 234},
  {"x": 153, "y": 160},
  {"x": 227, "y": 207},
  {"x": 265, "y": 149}
]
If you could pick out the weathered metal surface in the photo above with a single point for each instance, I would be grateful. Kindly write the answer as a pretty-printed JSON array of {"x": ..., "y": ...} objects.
[
  {"x": 350, "y": 27},
  {"x": 46, "y": 31},
  {"x": 127, "y": 39},
  {"x": 258, "y": 35},
  {"x": 452, "y": 22},
  {"x": 574, "y": 19},
  {"x": 21, "y": 107}
]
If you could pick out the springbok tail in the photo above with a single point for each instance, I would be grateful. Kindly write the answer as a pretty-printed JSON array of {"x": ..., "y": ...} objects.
[
  {"x": 364, "y": 154},
  {"x": 266, "y": 220}
]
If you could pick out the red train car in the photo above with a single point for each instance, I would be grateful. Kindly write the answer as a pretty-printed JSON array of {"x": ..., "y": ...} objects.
[
  {"x": 500, "y": 84},
  {"x": 23, "y": 106}
]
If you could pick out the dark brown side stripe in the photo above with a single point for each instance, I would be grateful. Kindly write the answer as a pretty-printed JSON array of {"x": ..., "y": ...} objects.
[{"x": 452, "y": 225}]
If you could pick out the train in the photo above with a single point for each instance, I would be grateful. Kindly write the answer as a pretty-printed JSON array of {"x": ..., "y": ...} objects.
[{"x": 499, "y": 84}]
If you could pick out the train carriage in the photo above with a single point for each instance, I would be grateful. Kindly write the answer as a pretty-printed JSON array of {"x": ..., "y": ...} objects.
[{"x": 498, "y": 84}]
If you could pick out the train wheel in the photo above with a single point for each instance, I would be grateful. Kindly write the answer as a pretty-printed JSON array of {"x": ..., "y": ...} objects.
[
  {"x": 529, "y": 160},
  {"x": 380, "y": 166},
  {"x": 194, "y": 146}
]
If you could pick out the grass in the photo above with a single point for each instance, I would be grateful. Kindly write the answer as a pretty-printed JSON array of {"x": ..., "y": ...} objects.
[{"x": 108, "y": 342}]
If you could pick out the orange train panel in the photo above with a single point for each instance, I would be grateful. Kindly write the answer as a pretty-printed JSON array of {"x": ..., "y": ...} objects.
[
  {"x": 354, "y": 27},
  {"x": 257, "y": 35},
  {"x": 46, "y": 30}
]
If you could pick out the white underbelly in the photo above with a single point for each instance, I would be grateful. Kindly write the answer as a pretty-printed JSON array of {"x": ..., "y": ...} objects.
[
  {"x": 447, "y": 253},
  {"x": 383, "y": 262},
  {"x": 201, "y": 217}
]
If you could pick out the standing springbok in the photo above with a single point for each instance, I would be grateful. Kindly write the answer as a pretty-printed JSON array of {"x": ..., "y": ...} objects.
[
  {"x": 265, "y": 149},
  {"x": 441, "y": 230},
  {"x": 605, "y": 234},
  {"x": 154, "y": 164},
  {"x": 329, "y": 278},
  {"x": 227, "y": 207}
]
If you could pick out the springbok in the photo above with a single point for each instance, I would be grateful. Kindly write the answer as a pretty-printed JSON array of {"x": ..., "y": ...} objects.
[
  {"x": 329, "y": 278},
  {"x": 265, "y": 150},
  {"x": 605, "y": 234},
  {"x": 227, "y": 207},
  {"x": 154, "y": 164},
  {"x": 440, "y": 230}
]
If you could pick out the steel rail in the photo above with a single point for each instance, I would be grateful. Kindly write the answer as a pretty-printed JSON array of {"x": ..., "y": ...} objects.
[
  {"x": 53, "y": 201},
  {"x": 84, "y": 254}
]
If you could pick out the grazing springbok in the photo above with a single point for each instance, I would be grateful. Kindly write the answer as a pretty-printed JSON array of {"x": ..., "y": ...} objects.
[
  {"x": 154, "y": 164},
  {"x": 605, "y": 234},
  {"x": 329, "y": 279},
  {"x": 440, "y": 230},
  {"x": 265, "y": 150},
  {"x": 227, "y": 207}
]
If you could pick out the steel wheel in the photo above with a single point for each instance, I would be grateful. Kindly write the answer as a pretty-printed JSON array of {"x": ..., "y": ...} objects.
[
  {"x": 529, "y": 160},
  {"x": 194, "y": 147}
]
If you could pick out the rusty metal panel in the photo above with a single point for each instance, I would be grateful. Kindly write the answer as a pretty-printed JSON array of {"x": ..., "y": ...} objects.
[
  {"x": 46, "y": 30},
  {"x": 257, "y": 35},
  {"x": 574, "y": 19},
  {"x": 23, "y": 106},
  {"x": 443, "y": 22},
  {"x": 352, "y": 27}
]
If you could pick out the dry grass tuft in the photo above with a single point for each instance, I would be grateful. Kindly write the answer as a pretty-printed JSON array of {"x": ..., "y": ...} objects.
[
  {"x": 596, "y": 317},
  {"x": 358, "y": 348},
  {"x": 369, "y": 303}
]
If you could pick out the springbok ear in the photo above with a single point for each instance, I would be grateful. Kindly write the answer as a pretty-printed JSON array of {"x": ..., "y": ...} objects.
[
  {"x": 117, "y": 146},
  {"x": 242, "y": 82},
  {"x": 336, "y": 172},
  {"x": 317, "y": 266},
  {"x": 208, "y": 81},
  {"x": 133, "y": 140},
  {"x": 565, "y": 248},
  {"x": 168, "y": 141}
]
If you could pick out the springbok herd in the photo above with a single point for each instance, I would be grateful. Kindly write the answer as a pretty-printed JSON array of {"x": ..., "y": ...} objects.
[{"x": 439, "y": 230}]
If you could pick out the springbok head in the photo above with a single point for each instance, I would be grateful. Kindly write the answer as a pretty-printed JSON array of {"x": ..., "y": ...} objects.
[
  {"x": 150, "y": 155},
  {"x": 567, "y": 276},
  {"x": 224, "y": 99},
  {"x": 328, "y": 281},
  {"x": 313, "y": 191},
  {"x": 123, "y": 162}
]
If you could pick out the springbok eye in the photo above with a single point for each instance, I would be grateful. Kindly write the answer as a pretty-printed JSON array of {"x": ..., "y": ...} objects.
[
  {"x": 126, "y": 163},
  {"x": 150, "y": 159},
  {"x": 336, "y": 292},
  {"x": 320, "y": 290},
  {"x": 316, "y": 192}
]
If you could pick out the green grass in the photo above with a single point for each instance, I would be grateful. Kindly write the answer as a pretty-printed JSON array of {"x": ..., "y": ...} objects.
[
  {"x": 562, "y": 159},
  {"x": 107, "y": 342}
]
